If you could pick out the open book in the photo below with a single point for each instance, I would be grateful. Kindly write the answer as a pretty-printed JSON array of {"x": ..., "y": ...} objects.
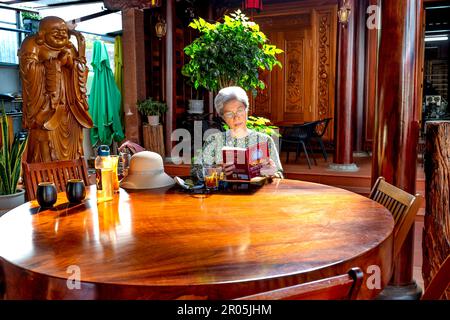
[{"x": 247, "y": 161}]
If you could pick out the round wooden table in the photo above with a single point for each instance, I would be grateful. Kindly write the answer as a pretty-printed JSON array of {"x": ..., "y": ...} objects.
[{"x": 166, "y": 244}]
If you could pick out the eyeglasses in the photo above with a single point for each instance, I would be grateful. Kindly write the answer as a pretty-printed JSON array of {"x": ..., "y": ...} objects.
[{"x": 230, "y": 115}]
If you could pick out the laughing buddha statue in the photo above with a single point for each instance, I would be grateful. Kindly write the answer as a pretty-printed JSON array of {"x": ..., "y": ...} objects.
[{"x": 55, "y": 108}]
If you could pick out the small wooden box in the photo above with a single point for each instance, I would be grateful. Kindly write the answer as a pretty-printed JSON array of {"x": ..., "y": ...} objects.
[{"x": 154, "y": 138}]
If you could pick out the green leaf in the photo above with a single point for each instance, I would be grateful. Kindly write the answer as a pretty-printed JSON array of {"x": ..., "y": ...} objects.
[
  {"x": 16, "y": 163},
  {"x": 5, "y": 150},
  {"x": 5, "y": 187},
  {"x": 193, "y": 25}
]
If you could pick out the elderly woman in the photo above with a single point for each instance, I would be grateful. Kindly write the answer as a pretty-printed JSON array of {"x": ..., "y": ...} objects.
[{"x": 231, "y": 104}]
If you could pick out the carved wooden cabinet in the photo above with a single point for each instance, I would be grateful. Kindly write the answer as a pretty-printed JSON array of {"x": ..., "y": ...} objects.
[{"x": 304, "y": 89}]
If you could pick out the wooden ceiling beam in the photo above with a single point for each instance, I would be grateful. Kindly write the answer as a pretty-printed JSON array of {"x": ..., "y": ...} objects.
[{"x": 131, "y": 4}]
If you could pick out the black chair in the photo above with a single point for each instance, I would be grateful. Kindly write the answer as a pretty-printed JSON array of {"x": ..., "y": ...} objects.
[
  {"x": 298, "y": 136},
  {"x": 319, "y": 131}
]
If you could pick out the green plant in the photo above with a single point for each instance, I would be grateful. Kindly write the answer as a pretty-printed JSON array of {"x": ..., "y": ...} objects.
[
  {"x": 30, "y": 15},
  {"x": 150, "y": 107},
  {"x": 229, "y": 53},
  {"x": 260, "y": 124},
  {"x": 10, "y": 158}
]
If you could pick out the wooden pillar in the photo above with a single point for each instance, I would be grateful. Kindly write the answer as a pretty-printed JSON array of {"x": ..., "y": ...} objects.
[
  {"x": 345, "y": 88},
  {"x": 420, "y": 62},
  {"x": 170, "y": 86},
  {"x": 360, "y": 75},
  {"x": 396, "y": 127},
  {"x": 133, "y": 71},
  {"x": 370, "y": 89}
]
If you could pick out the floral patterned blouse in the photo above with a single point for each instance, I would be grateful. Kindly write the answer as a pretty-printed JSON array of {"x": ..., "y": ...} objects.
[{"x": 212, "y": 148}]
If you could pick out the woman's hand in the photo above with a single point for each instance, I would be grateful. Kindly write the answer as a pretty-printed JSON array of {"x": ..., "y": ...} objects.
[
  {"x": 228, "y": 168},
  {"x": 269, "y": 170}
]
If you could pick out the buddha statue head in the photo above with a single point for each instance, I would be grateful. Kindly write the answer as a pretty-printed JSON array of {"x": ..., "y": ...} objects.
[{"x": 54, "y": 32}]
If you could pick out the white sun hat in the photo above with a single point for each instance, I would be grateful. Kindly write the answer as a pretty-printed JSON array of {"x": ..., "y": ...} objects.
[{"x": 146, "y": 172}]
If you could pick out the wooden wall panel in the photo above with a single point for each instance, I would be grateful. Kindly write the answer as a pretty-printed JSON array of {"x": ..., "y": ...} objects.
[
  {"x": 326, "y": 41},
  {"x": 296, "y": 75},
  {"x": 304, "y": 89}
]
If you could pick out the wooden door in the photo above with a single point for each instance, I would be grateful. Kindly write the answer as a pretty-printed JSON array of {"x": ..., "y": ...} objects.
[
  {"x": 287, "y": 97},
  {"x": 304, "y": 89},
  {"x": 295, "y": 85}
]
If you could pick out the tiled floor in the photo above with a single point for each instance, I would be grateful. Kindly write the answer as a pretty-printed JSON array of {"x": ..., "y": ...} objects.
[{"x": 363, "y": 162}]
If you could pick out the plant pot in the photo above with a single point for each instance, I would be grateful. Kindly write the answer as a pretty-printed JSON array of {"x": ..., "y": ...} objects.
[
  {"x": 10, "y": 201},
  {"x": 195, "y": 106},
  {"x": 153, "y": 120}
]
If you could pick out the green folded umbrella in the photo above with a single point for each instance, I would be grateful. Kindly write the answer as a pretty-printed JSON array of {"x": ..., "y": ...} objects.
[{"x": 104, "y": 100}]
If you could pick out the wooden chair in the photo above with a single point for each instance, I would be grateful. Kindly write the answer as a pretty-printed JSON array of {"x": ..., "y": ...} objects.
[
  {"x": 440, "y": 282},
  {"x": 56, "y": 171},
  {"x": 342, "y": 287},
  {"x": 401, "y": 204}
]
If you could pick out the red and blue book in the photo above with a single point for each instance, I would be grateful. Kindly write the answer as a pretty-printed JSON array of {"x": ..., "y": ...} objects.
[{"x": 247, "y": 161}]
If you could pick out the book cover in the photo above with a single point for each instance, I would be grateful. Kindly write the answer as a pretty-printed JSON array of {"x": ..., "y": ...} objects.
[{"x": 247, "y": 161}]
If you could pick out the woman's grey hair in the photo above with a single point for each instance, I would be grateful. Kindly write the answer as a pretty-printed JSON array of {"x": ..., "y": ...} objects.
[{"x": 227, "y": 94}]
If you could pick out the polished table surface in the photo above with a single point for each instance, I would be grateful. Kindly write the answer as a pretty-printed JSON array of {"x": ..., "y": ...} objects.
[{"x": 167, "y": 244}]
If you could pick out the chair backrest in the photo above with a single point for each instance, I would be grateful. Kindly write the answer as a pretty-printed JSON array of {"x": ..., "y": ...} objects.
[
  {"x": 321, "y": 126},
  {"x": 299, "y": 131},
  {"x": 401, "y": 204},
  {"x": 56, "y": 171},
  {"x": 342, "y": 287},
  {"x": 440, "y": 282}
]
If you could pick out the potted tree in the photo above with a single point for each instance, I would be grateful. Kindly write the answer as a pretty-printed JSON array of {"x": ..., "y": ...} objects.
[
  {"x": 10, "y": 164},
  {"x": 229, "y": 53},
  {"x": 153, "y": 109}
]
